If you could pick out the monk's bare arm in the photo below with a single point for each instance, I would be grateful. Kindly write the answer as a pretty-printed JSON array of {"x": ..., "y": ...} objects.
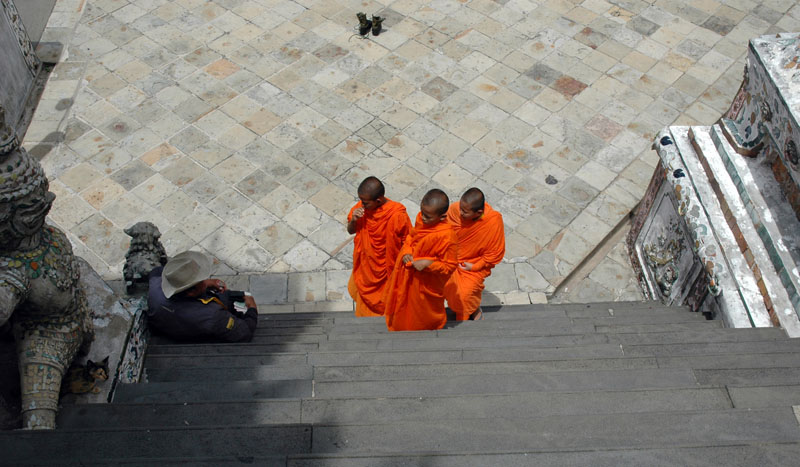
[{"x": 351, "y": 224}]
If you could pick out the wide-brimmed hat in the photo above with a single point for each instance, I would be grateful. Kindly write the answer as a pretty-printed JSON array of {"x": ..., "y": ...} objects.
[{"x": 183, "y": 271}]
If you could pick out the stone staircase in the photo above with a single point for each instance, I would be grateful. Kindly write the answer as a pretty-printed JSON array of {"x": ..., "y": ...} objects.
[{"x": 631, "y": 383}]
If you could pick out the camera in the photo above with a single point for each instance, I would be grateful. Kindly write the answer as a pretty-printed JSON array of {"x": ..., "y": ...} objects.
[{"x": 236, "y": 295}]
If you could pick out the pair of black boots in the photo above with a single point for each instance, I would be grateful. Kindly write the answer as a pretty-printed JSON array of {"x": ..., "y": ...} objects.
[{"x": 364, "y": 25}]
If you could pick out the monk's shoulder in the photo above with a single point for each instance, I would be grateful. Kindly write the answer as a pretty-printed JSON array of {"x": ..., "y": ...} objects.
[{"x": 491, "y": 215}]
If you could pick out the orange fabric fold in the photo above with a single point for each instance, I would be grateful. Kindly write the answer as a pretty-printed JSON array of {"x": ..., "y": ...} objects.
[
  {"x": 415, "y": 299},
  {"x": 379, "y": 236},
  {"x": 480, "y": 242}
]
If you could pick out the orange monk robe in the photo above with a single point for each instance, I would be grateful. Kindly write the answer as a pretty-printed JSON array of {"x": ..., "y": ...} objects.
[
  {"x": 379, "y": 236},
  {"x": 414, "y": 299},
  {"x": 480, "y": 242}
]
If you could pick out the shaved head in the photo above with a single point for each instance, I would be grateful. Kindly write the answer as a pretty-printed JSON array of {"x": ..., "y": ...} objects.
[
  {"x": 371, "y": 188},
  {"x": 474, "y": 199},
  {"x": 437, "y": 200}
]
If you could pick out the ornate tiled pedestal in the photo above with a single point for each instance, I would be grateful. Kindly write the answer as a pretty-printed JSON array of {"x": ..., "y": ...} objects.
[{"x": 718, "y": 228}]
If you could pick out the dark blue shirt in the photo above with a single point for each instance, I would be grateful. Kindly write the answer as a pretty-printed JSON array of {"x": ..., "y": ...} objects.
[{"x": 182, "y": 317}]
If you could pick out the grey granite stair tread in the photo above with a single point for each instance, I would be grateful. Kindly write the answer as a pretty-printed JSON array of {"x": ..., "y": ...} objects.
[
  {"x": 182, "y": 391},
  {"x": 742, "y": 455},
  {"x": 235, "y": 349},
  {"x": 253, "y": 373},
  {"x": 188, "y": 361},
  {"x": 720, "y": 348},
  {"x": 765, "y": 396},
  {"x": 510, "y": 383},
  {"x": 70, "y": 446},
  {"x": 629, "y": 328},
  {"x": 372, "y": 409},
  {"x": 157, "y": 341},
  {"x": 515, "y": 323},
  {"x": 466, "y": 355},
  {"x": 468, "y": 328},
  {"x": 433, "y": 370},
  {"x": 730, "y": 361},
  {"x": 745, "y": 455},
  {"x": 462, "y": 342},
  {"x": 265, "y": 329},
  {"x": 606, "y": 431},
  {"x": 751, "y": 376},
  {"x": 445, "y": 341},
  {"x": 195, "y": 413}
]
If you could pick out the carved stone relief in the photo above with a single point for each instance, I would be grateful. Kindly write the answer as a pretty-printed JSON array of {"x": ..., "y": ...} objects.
[{"x": 18, "y": 63}]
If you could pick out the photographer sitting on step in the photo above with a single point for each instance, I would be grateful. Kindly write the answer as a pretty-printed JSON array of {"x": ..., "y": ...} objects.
[{"x": 185, "y": 304}]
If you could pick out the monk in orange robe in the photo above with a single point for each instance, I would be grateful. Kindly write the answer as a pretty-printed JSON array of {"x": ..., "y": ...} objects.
[
  {"x": 415, "y": 294},
  {"x": 380, "y": 225},
  {"x": 481, "y": 246}
]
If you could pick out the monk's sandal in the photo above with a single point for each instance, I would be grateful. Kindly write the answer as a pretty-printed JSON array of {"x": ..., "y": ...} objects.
[
  {"x": 377, "y": 21},
  {"x": 364, "y": 24}
]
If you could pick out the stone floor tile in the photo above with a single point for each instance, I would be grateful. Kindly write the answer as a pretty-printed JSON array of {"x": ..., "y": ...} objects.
[
  {"x": 250, "y": 258},
  {"x": 330, "y": 236},
  {"x": 596, "y": 175},
  {"x": 70, "y": 210},
  {"x": 225, "y": 241},
  {"x": 103, "y": 238},
  {"x": 332, "y": 200},
  {"x": 529, "y": 279},
  {"x": 182, "y": 171},
  {"x": 229, "y": 205},
  {"x": 503, "y": 279},
  {"x": 570, "y": 246},
  {"x": 305, "y": 257},
  {"x": 278, "y": 238},
  {"x": 80, "y": 177},
  {"x": 269, "y": 289}
]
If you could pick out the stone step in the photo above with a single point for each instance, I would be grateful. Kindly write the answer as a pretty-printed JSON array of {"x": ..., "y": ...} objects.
[
  {"x": 651, "y": 430},
  {"x": 323, "y": 358},
  {"x": 254, "y": 373},
  {"x": 510, "y": 383},
  {"x": 389, "y": 372},
  {"x": 167, "y": 392},
  {"x": 513, "y": 323},
  {"x": 606, "y": 431},
  {"x": 717, "y": 348},
  {"x": 765, "y": 396},
  {"x": 727, "y": 361},
  {"x": 248, "y": 348},
  {"x": 511, "y": 328},
  {"x": 445, "y": 341},
  {"x": 750, "y": 376},
  {"x": 519, "y": 312},
  {"x": 754, "y": 455},
  {"x": 412, "y": 371},
  {"x": 70, "y": 447},
  {"x": 744, "y": 455},
  {"x": 762, "y": 205},
  {"x": 741, "y": 304},
  {"x": 376, "y": 410},
  {"x": 472, "y": 328},
  {"x": 157, "y": 341}
]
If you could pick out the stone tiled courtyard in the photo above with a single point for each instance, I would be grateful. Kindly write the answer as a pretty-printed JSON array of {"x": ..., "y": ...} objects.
[{"x": 242, "y": 128}]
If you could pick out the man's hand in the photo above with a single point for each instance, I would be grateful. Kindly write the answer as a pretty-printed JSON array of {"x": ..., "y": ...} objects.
[
  {"x": 407, "y": 259},
  {"x": 217, "y": 286},
  {"x": 421, "y": 264},
  {"x": 250, "y": 302},
  {"x": 358, "y": 213},
  {"x": 466, "y": 266}
]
